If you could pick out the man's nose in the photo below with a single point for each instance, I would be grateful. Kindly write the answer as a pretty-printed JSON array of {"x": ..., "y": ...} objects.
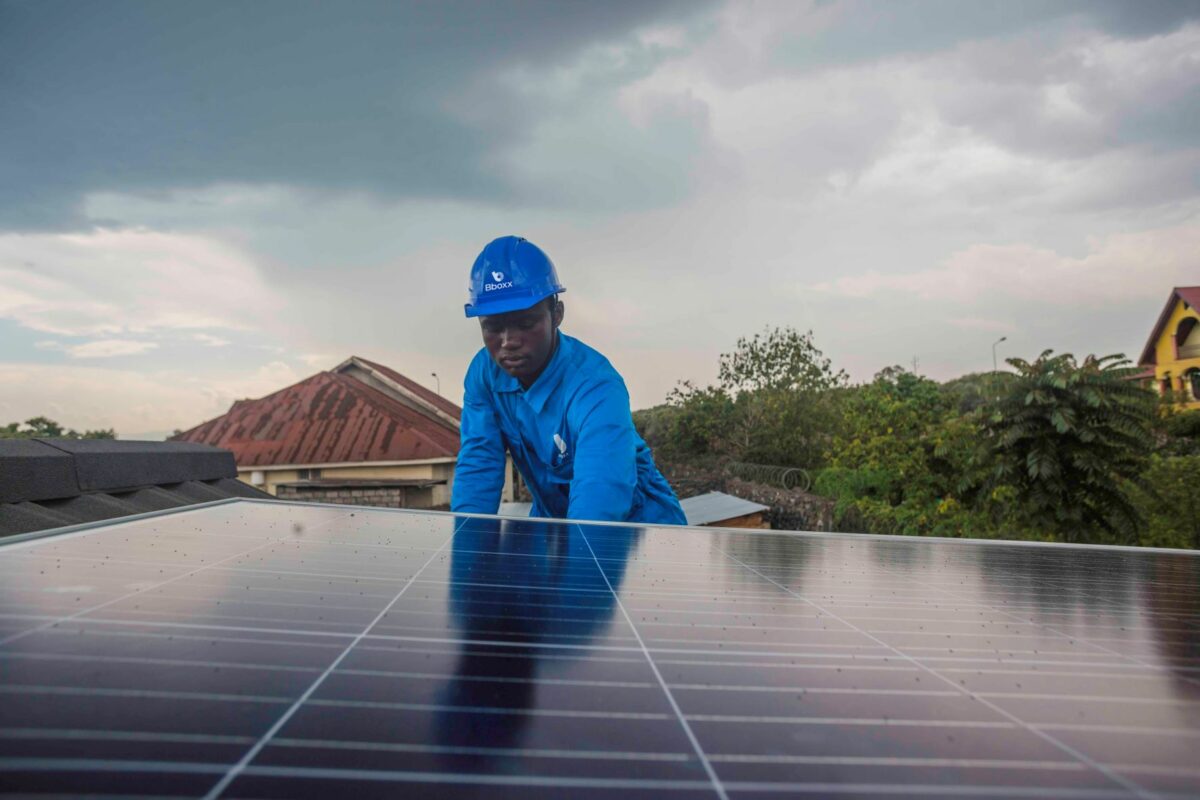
[{"x": 510, "y": 340}]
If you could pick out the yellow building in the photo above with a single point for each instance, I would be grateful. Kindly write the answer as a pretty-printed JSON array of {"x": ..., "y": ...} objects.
[{"x": 1173, "y": 352}]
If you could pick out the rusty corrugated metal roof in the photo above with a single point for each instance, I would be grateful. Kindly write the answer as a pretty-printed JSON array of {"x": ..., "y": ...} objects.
[
  {"x": 1189, "y": 295},
  {"x": 326, "y": 419}
]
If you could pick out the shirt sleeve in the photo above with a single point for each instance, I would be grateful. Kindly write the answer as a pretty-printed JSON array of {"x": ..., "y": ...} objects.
[
  {"x": 479, "y": 474},
  {"x": 605, "y": 474}
]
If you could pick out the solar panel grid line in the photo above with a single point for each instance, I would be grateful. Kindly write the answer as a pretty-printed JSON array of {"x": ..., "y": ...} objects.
[
  {"x": 934, "y": 790},
  {"x": 406, "y": 776},
  {"x": 617, "y": 755},
  {"x": 708, "y": 768},
  {"x": 241, "y": 765},
  {"x": 1108, "y": 773},
  {"x": 135, "y": 736},
  {"x": 107, "y": 765},
  {"x": 1090, "y": 726},
  {"x": 1008, "y": 763},
  {"x": 503, "y": 710},
  {"x": 92, "y": 691},
  {"x": 201, "y": 626},
  {"x": 499, "y": 679}
]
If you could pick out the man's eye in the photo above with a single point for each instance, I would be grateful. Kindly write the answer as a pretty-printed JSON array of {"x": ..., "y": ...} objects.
[{"x": 527, "y": 324}]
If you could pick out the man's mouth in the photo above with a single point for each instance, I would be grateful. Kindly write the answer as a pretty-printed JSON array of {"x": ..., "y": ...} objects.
[{"x": 513, "y": 362}]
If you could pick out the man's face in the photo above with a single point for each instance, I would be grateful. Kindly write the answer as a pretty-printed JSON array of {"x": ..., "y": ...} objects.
[{"x": 521, "y": 342}]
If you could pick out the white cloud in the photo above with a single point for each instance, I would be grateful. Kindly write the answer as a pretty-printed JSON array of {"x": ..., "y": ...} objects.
[
  {"x": 320, "y": 360},
  {"x": 1117, "y": 269},
  {"x": 131, "y": 401},
  {"x": 108, "y": 348},
  {"x": 222, "y": 390},
  {"x": 108, "y": 282},
  {"x": 210, "y": 340}
]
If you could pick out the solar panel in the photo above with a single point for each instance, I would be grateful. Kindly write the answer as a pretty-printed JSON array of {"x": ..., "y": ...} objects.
[{"x": 258, "y": 649}]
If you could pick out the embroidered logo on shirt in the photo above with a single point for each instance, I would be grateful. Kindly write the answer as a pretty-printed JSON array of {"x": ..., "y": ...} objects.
[{"x": 562, "y": 449}]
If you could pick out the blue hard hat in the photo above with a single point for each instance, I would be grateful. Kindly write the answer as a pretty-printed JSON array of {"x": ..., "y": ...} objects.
[{"x": 509, "y": 275}]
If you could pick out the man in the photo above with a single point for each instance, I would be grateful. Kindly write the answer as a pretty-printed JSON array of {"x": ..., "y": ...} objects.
[{"x": 551, "y": 401}]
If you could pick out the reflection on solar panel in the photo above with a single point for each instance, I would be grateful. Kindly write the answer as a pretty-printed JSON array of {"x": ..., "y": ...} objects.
[{"x": 267, "y": 650}]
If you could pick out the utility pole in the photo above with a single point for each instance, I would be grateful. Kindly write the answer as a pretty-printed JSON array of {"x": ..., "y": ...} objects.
[{"x": 439, "y": 383}]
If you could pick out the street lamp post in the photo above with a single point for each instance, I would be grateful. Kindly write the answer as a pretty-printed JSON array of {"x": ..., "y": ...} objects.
[
  {"x": 439, "y": 383},
  {"x": 992, "y": 377}
]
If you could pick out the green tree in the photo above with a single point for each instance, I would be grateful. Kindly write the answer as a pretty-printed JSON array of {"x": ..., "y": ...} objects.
[
  {"x": 779, "y": 359},
  {"x": 699, "y": 423},
  {"x": 774, "y": 403},
  {"x": 783, "y": 388},
  {"x": 1066, "y": 437},
  {"x": 46, "y": 428},
  {"x": 1167, "y": 498},
  {"x": 1177, "y": 432},
  {"x": 977, "y": 390},
  {"x": 904, "y": 461}
]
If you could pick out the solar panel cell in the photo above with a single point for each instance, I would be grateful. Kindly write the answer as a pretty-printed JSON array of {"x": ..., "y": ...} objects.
[{"x": 267, "y": 650}]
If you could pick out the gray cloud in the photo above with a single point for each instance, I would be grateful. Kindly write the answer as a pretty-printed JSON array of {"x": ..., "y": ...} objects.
[
  {"x": 865, "y": 30},
  {"x": 374, "y": 96}
]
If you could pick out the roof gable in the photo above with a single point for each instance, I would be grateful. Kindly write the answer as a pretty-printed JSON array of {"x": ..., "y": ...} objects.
[
  {"x": 400, "y": 388},
  {"x": 1189, "y": 295}
]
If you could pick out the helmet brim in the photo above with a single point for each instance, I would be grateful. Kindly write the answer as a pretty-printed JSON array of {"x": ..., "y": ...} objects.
[{"x": 503, "y": 305}]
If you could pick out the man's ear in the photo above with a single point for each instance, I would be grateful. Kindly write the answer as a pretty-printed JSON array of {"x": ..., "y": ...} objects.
[{"x": 556, "y": 316}]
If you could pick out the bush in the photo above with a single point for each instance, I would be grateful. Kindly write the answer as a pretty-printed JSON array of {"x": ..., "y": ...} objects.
[{"x": 1169, "y": 501}]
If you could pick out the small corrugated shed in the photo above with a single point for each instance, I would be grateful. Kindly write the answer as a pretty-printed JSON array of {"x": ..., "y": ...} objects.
[
  {"x": 723, "y": 510},
  {"x": 357, "y": 412}
]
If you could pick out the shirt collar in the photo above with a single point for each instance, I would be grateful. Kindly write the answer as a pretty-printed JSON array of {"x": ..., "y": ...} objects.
[{"x": 538, "y": 394}]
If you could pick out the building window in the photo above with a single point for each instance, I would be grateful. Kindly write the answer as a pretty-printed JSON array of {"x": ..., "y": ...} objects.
[
  {"x": 1187, "y": 339},
  {"x": 1193, "y": 377},
  {"x": 309, "y": 474}
]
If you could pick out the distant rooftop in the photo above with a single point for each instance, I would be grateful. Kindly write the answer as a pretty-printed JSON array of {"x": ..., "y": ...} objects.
[
  {"x": 51, "y": 483},
  {"x": 357, "y": 412}
]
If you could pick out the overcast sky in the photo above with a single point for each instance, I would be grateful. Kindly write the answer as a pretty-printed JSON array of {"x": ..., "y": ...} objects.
[{"x": 205, "y": 201}]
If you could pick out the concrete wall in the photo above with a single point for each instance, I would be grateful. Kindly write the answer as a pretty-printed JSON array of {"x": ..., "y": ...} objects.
[
  {"x": 382, "y": 496},
  {"x": 438, "y": 495}
]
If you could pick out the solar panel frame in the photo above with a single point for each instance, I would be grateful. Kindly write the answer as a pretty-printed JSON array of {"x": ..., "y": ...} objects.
[{"x": 630, "y": 575}]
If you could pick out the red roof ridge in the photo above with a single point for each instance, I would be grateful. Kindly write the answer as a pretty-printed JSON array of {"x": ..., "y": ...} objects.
[
  {"x": 335, "y": 416},
  {"x": 1189, "y": 295}
]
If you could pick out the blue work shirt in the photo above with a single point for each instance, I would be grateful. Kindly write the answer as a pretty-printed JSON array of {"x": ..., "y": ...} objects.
[{"x": 571, "y": 436}]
